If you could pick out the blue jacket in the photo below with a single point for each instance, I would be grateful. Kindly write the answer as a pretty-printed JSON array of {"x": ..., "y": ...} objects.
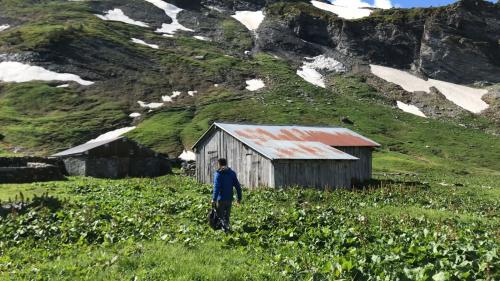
[{"x": 224, "y": 181}]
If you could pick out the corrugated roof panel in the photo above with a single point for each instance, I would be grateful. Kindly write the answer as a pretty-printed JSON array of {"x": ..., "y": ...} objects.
[
  {"x": 306, "y": 150},
  {"x": 330, "y": 136},
  {"x": 84, "y": 147}
]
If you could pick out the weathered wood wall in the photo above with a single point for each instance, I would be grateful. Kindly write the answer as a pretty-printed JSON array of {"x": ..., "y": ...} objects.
[
  {"x": 313, "y": 173},
  {"x": 362, "y": 168},
  {"x": 253, "y": 169}
]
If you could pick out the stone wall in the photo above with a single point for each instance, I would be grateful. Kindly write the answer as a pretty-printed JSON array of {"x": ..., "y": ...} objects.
[
  {"x": 29, "y": 169},
  {"x": 23, "y": 161}
]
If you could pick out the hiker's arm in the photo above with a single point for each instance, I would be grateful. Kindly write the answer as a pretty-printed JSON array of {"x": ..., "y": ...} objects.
[
  {"x": 216, "y": 187},
  {"x": 238, "y": 188}
]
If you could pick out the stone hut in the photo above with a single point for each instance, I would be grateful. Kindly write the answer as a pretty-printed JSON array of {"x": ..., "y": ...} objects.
[{"x": 114, "y": 158}]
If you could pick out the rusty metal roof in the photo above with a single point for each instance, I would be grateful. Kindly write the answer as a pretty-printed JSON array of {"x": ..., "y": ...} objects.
[
  {"x": 293, "y": 150},
  {"x": 295, "y": 142},
  {"x": 336, "y": 137},
  {"x": 85, "y": 147}
]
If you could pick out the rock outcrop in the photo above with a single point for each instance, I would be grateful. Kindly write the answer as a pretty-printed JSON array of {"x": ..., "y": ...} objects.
[{"x": 457, "y": 43}]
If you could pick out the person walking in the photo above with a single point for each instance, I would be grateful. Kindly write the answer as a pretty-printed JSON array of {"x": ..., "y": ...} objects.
[{"x": 222, "y": 198}]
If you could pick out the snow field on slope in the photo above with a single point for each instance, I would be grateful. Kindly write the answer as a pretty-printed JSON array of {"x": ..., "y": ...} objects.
[
  {"x": 118, "y": 15},
  {"x": 20, "y": 72},
  {"x": 171, "y": 11},
  {"x": 255, "y": 84},
  {"x": 249, "y": 19},
  {"x": 309, "y": 70},
  {"x": 142, "y": 42},
  {"x": 4, "y": 27},
  {"x": 345, "y": 11},
  {"x": 410, "y": 109},
  {"x": 466, "y": 97}
]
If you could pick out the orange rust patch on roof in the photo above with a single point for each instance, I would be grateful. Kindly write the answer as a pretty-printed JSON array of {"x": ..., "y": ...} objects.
[
  {"x": 331, "y": 139},
  {"x": 310, "y": 150},
  {"x": 244, "y": 134},
  {"x": 285, "y": 152}
]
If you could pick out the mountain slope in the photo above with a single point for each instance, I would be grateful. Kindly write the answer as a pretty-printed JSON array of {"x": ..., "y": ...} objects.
[{"x": 177, "y": 89}]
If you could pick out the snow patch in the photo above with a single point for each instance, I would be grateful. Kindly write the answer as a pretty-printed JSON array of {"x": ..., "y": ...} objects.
[
  {"x": 466, "y": 97},
  {"x": 118, "y": 15},
  {"x": 407, "y": 81},
  {"x": 4, "y": 27},
  {"x": 202, "y": 38},
  {"x": 171, "y": 97},
  {"x": 255, "y": 84},
  {"x": 135, "y": 115},
  {"x": 152, "y": 105},
  {"x": 176, "y": 94},
  {"x": 213, "y": 8},
  {"x": 192, "y": 93},
  {"x": 312, "y": 76},
  {"x": 344, "y": 10},
  {"x": 410, "y": 109},
  {"x": 141, "y": 42},
  {"x": 250, "y": 19},
  {"x": 187, "y": 156},
  {"x": 112, "y": 135},
  {"x": 172, "y": 11},
  {"x": 309, "y": 70},
  {"x": 19, "y": 72},
  {"x": 63, "y": 86}
]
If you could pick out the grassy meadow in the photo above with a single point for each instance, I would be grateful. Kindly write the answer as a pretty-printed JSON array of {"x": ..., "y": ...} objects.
[{"x": 402, "y": 227}]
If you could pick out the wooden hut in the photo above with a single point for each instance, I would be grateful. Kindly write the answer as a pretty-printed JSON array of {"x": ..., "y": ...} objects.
[
  {"x": 280, "y": 156},
  {"x": 114, "y": 158}
]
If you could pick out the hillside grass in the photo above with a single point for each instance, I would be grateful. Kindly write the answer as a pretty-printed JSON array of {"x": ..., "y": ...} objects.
[
  {"x": 37, "y": 116},
  {"x": 408, "y": 142},
  {"x": 44, "y": 119}
]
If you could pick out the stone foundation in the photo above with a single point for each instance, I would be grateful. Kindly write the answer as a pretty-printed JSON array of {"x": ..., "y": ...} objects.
[{"x": 29, "y": 169}]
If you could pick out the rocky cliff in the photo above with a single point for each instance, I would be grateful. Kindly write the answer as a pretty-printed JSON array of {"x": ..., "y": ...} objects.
[{"x": 458, "y": 43}]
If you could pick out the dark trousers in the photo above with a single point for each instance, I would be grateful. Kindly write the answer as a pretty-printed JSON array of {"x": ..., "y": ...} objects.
[{"x": 224, "y": 212}]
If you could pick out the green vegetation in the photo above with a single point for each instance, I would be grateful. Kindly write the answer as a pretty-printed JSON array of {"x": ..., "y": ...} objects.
[
  {"x": 415, "y": 143},
  {"x": 236, "y": 35},
  {"x": 33, "y": 113},
  {"x": 43, "y": 119},
  {"x": 427, "y": 227},
  {"x": 292, "y": 10}
]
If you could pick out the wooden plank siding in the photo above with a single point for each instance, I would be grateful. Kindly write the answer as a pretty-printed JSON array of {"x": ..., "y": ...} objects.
[
  {"x": 362, "y": 169},
  {"x": 313, "y": 173},
  {"x": 253, "y": 169}
]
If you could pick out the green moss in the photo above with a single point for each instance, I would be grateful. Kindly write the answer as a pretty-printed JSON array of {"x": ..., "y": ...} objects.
[
  {"x": 236, "y": 35},
  {"x": 293, "y": 9}
]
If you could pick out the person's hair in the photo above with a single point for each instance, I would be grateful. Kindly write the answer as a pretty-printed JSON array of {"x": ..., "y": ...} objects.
[{"x": 222, "y": 162}]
